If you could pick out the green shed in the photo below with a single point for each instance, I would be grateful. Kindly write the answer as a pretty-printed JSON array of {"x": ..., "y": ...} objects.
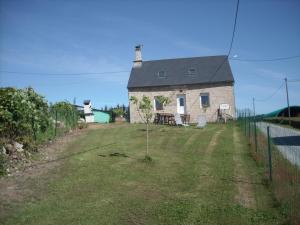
[{"x": 100, "y": 117}]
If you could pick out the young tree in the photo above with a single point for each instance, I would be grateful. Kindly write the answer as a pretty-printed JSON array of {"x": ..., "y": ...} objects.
[{"x": 145, "y": 110}]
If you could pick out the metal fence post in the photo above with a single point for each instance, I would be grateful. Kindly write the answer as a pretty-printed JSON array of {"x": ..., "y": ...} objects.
[
  {"x": 55, "y": 123},
  {"x": 249, "y": 126},
  {"x": 255, "y": 134},
  {"x": 269, "y": 153},
  {"x": 245, "y": 124}
]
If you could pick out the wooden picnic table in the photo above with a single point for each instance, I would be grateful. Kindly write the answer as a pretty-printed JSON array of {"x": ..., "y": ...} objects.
[
  {"x": 165, "y": 118},
  {"x": 168, "y": 118}
]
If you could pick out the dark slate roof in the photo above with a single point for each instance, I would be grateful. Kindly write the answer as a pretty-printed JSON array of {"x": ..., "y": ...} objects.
[
  {"x": 86, "y": 102},
  {"x": 181, "y": 71}
]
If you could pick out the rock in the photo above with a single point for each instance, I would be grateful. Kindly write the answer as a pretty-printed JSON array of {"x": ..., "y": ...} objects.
[
  {"x": 18, "y": 147},
  {"x": 10, "y": 148},
  {"x": 4, "y": 150},
  {"x": 28, "y": 154},
  {"x": 7, "y": 170}
]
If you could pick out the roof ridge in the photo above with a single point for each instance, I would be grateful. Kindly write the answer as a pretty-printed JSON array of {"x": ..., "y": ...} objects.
[{"x": 195, "y": 57}]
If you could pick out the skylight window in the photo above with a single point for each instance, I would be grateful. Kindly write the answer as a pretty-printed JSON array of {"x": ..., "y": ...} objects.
[{"x": 162, "y": 74}]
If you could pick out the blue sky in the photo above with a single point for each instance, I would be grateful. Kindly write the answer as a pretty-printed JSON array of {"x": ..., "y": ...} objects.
[{"x": 99, "y": 36}]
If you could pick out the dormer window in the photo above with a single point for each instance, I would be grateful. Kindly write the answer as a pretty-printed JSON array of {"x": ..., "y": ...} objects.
[
  {"x": 191, "y": 72},
  {"x": 162, "y": 74}
]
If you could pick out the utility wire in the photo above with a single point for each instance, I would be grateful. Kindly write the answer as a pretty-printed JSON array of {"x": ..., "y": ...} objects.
[
  {"x": 293, "y": 80},
  {"x": 231, "y": 42},
  {"x": 269, "y": 97},
  {"x": 234, "y": 27},
  {"x": 64, "y": 74},
  {"x": 266, "y": 60}
]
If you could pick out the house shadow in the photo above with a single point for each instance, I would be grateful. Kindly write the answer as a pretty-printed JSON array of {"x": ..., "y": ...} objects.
[{"x": 287, "y": 140}]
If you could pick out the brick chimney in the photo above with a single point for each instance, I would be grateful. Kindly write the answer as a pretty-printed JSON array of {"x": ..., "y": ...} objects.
[{"x": 138, "y": 56}]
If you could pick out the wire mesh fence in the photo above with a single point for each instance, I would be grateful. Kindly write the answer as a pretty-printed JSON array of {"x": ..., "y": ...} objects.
[
  {"x": 277, "y": 149},
  {"x": 61, "y": 122}
]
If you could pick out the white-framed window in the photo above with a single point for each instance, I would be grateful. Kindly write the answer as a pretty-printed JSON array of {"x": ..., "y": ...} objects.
[{"x": 204, "y": 100}]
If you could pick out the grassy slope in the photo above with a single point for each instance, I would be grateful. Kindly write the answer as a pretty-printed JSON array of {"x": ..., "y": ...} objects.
[{"x": 187, "y": 183}]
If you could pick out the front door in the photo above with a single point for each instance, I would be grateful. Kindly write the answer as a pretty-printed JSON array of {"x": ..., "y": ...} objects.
[{"x": 181, "y": 104}]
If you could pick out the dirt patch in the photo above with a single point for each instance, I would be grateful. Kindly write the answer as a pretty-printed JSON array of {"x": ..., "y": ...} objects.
[{"x": 245, "y": 190}]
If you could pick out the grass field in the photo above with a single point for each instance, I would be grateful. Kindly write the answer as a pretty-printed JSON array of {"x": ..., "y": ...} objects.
[{"x": 197, "y": 176}]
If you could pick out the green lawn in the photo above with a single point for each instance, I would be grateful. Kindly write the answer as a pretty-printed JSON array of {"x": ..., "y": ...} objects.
[{"x": 197, "y": 176}]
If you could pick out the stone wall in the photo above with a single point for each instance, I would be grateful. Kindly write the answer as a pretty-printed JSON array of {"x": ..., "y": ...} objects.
[{"x": 218, "y": 94}]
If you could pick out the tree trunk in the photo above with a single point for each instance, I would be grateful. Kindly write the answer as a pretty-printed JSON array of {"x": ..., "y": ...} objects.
[{"x": 147, "y": 140}]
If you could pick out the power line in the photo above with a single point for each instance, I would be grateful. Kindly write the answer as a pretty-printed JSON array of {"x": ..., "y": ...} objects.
[
  {"x": 64, "y": 74},
  {"x": 266, "y": 60},
  {"x": 234, "y": 27},
  {"x": 269, "y": 97},
  {"x": 231, "y": 42},
  {"x": 293, "y": 80}
]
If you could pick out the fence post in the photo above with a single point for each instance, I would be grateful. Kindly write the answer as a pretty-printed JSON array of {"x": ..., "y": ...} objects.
[
  {"x": 245, "y": 124},
  {"x": 55, "y": 123},
  {"x": 255, "y": 134},
  {"x": 249, "y": 126},
  {"x": 269, "y": 153}
]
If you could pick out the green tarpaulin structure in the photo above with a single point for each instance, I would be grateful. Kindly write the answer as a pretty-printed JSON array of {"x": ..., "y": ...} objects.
[
  {"x": 283, "y": 112},
  {"x": 100, "y": 117}
]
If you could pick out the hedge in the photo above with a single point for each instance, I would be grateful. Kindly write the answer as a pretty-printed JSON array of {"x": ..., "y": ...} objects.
[{"x": 295, "y": 121}]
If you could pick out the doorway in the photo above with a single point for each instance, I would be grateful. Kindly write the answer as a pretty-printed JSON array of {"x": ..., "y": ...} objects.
[{"x": 181, "y": 104}]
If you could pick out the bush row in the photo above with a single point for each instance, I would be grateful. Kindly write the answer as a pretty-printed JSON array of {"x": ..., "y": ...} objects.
[
  {"x": 26, "y": 120},
  {"x": 295, "y": 121}
]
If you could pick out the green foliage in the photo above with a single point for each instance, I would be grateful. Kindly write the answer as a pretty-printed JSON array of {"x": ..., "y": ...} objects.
[
  {"x": 147, "y": 159},
  {"x": 295, "y": 121},
  {"x": 145, "y": 108},
  {"x": 22, "y": 113},
  {"x": 2, "y": 164},
  {"x": 163, "y": 100},
  {"x": 119, "y": 111},
  {"x": 65, "y": 112}
]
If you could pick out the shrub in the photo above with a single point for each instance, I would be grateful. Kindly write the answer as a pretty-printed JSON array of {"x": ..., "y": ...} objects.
[
  {"x": 2, "y": 164},
  {"x": 65, "y": 113},
  {"x": 295, "y": 121},
  {"x": 23, "y": 113}
]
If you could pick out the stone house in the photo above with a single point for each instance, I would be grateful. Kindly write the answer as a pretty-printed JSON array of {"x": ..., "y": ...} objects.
[{"x": 198, "y": 86}]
